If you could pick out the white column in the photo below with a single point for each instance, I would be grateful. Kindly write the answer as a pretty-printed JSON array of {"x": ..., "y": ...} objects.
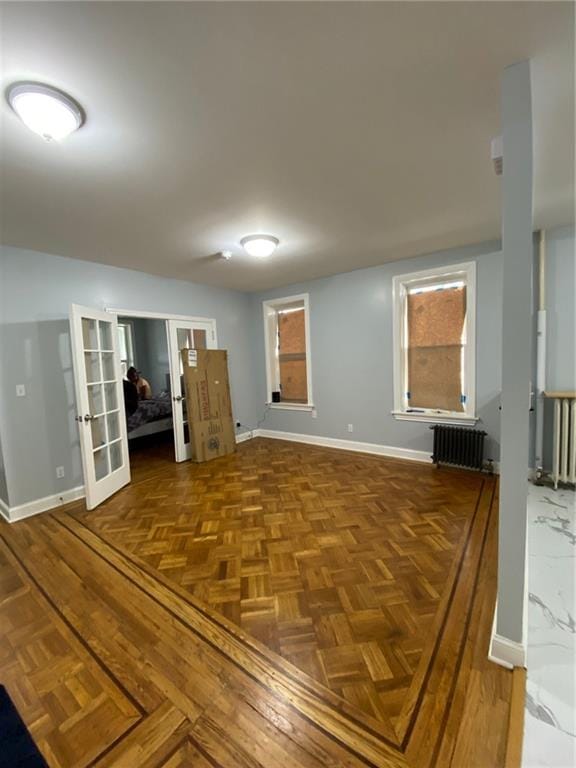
[{"x": 517, "y": 248}]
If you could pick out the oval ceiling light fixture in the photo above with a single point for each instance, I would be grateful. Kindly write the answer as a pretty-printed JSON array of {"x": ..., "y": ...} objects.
[
  {"x": 260, "y": 246},
  {"x": 47, "y": 111}
]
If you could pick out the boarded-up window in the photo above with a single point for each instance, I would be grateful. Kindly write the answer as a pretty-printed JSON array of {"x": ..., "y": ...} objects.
[
  {"x": 288, "y": 365},
  {"x": 292, "y": 356},
  {"x": 435, "y": 338}
]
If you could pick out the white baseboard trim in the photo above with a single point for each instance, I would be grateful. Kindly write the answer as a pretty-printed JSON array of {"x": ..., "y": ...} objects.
[
  {"x": 12, "y": 514},
  {"x": 43, "y": 505},
  {"x": 347, "y": 445},
  {"x": 507, "y": 653}
]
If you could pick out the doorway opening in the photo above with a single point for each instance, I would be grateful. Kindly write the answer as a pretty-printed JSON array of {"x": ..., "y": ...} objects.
[
  {"x": 130, "y": 394},
  {"x": 150, "y": 348},
  {"x": 145, "y": 365}
]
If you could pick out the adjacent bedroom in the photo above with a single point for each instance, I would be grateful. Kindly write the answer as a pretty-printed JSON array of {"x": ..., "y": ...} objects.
[{"x": 145, "y": 365}]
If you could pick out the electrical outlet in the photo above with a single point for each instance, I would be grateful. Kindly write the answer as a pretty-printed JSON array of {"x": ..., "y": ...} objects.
[
  {"x": 59, "y": 471},
  {"x": 350, "y": 427},
  {"x": 20, "y": 390},
  {"x": 314, "y": 413}
]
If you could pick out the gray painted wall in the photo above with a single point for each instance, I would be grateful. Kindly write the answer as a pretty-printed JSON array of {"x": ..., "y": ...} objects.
[
  {"x": 561, "y": 309},
  {"x": 3, "y": 480},
  {"x": 560, "y": 324},
  {"x": 351, "y": 329},
  {"x": 38, "y": 431},
  {"x": 4, "y": 495},
  {"x": 351, "y": 346}
]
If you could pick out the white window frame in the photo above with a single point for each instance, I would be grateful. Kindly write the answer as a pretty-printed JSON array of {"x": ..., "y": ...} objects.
[
  {"x": 270, "y": 310},
  {"x": 401, "y": 285},
  {"x": 131, "y": 360}
]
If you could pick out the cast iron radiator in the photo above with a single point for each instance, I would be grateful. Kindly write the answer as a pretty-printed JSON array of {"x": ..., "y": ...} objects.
[{"x": 458, "y": 445}]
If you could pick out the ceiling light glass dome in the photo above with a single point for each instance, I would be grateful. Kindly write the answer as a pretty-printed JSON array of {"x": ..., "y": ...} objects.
[
  {"x": 260, "y": 246},
  {"x": 45, "y": 110}
]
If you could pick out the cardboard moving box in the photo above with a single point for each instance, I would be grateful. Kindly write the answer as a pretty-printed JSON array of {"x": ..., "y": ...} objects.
[{"x": 208, "y": 403}]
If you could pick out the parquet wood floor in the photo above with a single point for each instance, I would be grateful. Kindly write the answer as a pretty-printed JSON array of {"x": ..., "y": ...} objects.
[
  {"x": 340, "y": 564},
  {"x": 285, "y": 606}
]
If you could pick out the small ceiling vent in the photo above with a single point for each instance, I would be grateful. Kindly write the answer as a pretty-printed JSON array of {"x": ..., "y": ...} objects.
[{"x": 496, "y": 150}]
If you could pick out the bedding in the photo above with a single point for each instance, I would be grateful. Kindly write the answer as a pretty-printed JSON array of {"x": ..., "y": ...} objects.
[{"x": 150, "y": 410}]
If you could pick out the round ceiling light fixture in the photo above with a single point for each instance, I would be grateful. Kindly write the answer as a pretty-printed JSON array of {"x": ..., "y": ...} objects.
[
  {"x": 260, "y": 246},
  {"x": 47, "y": 111}
]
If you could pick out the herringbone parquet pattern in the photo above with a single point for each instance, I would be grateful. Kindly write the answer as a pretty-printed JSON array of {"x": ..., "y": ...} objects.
[{"x": 340, "y": 563}]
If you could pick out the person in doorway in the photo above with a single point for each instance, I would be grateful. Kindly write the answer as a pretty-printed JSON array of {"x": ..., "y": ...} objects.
[
  {"x": 130, "y": 397},
  {"x": 142, "y": 386}
]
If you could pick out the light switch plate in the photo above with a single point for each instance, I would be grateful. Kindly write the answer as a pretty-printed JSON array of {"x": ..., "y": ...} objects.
[{"x": 20, "y": 390}]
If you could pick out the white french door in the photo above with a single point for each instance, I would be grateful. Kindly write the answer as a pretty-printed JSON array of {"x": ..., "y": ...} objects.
[
  {"x": 99, "y": 402},
  {"x": 182, "y": 334}
]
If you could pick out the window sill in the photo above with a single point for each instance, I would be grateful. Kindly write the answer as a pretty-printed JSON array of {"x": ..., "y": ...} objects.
[
  {"x": 435, "y": 418},
  {"x": 290, "y": 406}
]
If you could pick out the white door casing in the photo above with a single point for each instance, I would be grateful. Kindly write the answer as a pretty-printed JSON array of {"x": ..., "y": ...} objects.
[
  {"x": 182, "y": 334},
  {"x": 100, "y": 409}
]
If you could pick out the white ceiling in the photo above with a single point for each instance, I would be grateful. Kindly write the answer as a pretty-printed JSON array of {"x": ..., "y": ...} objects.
[{"x": 357, "y": 133}]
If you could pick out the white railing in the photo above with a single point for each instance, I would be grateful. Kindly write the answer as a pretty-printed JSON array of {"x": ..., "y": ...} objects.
[{"x": 564, "y": 437}]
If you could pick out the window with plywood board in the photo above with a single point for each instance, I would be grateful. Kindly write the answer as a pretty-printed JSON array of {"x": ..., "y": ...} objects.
[
  {"x": 288, "y": 351},
  {"x": 292, "y": 356},
  {"x": 435, "y": 329},
  {"x": 434, "y": 344}
]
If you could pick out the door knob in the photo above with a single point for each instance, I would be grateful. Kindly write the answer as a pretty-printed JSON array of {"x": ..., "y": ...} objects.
[{"x": 177, "y": 398}]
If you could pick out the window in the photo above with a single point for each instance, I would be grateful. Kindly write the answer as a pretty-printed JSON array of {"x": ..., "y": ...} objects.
[
  {"x": 126, "y": 345},
  {"x": 287, "y": 338},
  {"x": 434, "y": 345}
]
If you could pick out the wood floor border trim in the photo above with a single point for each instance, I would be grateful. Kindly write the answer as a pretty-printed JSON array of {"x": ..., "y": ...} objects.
[
  {"x": 185, "y": 741},
  {"x": 254, "y": 675},
  {"x": 251, "y": 649},
  {"x": 516, "y": 720},
  {"x": 298, "y": 677},
  {"x": 105, "y": 670},
  {"x": 135, "y": 703},
  {"x": 270, "y": 658},
  {"x": 377, "y": 751},
  {"x": 206, "y": 755},
  {"x": 465, "y": 634},
  {"x": 413, "y": 717},
  {"x": 105, "y": 752},
  {"x": 172, "y": 724}
]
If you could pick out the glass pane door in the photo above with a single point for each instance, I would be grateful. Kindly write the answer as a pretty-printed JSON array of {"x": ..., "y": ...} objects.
[
  {"x": 99, "y": 403},
  {"x": 199, "y": 334}
]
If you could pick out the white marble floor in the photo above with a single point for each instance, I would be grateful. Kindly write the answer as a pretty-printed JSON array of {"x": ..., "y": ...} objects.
[{"x": 550, "y": 718}]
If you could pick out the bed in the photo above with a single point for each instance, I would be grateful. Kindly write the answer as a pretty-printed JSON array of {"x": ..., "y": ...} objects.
[{"x": 154, "y": 415}]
